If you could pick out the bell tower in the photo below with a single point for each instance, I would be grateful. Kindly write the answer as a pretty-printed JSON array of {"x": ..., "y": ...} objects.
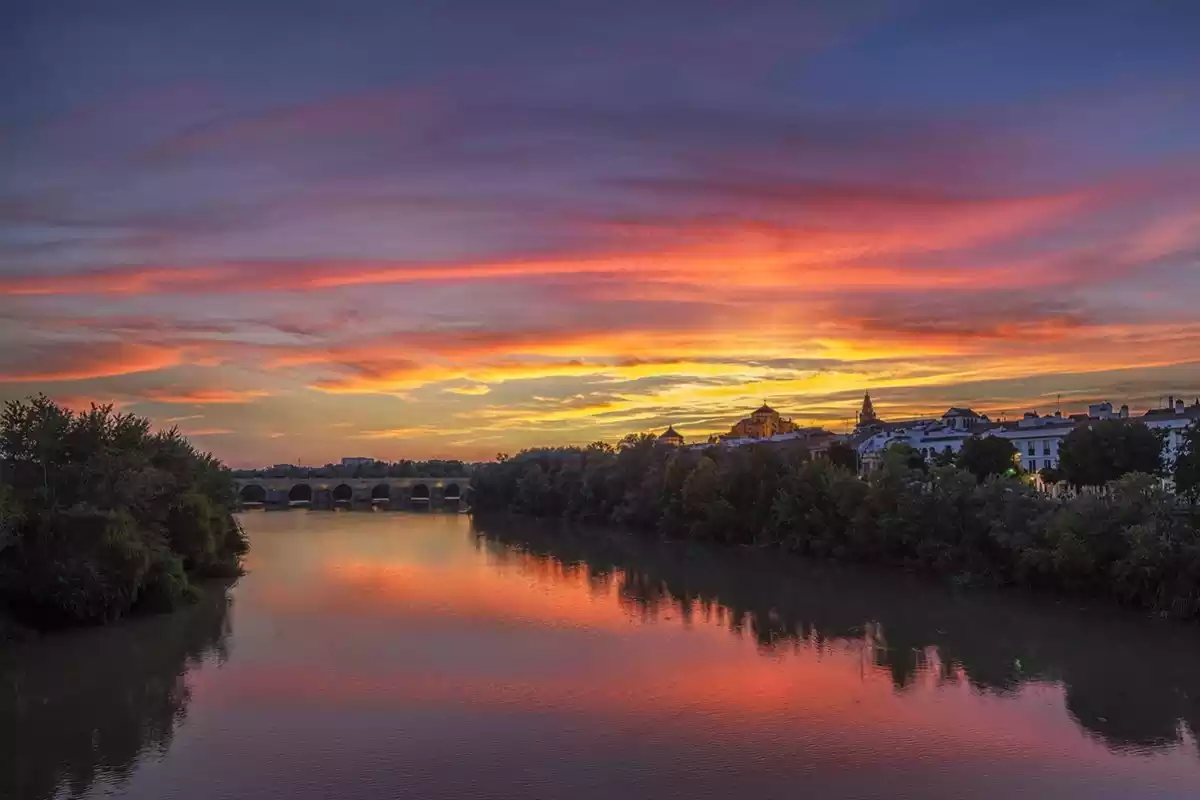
[{"x": 867, "y": 415}]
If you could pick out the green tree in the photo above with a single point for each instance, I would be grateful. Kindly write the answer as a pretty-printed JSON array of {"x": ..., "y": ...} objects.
[
  {"x": 1186, "y": 469},
  {"x": 900, "y": 454},
  {"x": 984, "y": 456},
  {"x": 843, "y": 454},
  {"x": 10, "y": 516},
  {"x": 707, "y": 512},
  {"x": 1133, "y": 543},
  {"x": 1052, "y": 475},
  {"x": 98, "y": 514},
  {"x": 1093, "y": 455},
  {"x": 945, "y": 458}
]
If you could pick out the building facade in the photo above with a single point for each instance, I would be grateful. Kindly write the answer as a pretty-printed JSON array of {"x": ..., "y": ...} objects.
[
  {"x": 762, "y": 424},
  {"x": 1038, "y": 439},
  {"x": 931, "y": 438},
  {"x": 356, "y": 461},
  {"x": 941, "y": 436},
  {"x": 671, "y": 436},
  {"x": 1172, "y": 421}
]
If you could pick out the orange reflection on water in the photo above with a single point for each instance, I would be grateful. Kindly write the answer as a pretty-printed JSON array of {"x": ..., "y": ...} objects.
[{"x": 399, "y": 614}]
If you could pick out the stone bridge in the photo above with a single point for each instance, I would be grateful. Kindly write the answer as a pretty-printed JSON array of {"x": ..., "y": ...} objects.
[{"x": 330, "y": 492}]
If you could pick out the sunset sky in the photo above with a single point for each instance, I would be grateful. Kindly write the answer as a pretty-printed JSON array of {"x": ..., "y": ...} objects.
[{"x": 304, "y": 230}]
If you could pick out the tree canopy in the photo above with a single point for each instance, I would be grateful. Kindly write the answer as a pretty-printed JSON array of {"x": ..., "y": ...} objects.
[
  {"x": 1186, "y": 469},
  {"x": 984, "y": 456},
  {"x": 900, "y": 454},
  {"x": 1095, "y": 454},
  {"x": 99, "y": 515},
  {"x": 1135, "y": 543},
  {"x": 843, "y": 454}
]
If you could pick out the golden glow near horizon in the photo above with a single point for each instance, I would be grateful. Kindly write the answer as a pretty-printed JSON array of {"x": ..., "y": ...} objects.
[{"x": 596, "y": 357}]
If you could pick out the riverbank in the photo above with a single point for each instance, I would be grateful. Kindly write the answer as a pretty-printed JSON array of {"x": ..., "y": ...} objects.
[
  {"x": 1134, "y": 544},
  {"x": 101, "y": 517}
]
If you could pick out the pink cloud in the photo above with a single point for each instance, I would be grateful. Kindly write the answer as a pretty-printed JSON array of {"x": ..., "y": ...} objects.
[{"x": 85, "y": 361}]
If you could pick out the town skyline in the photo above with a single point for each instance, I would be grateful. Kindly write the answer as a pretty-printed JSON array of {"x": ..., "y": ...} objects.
[
  {"x": 424, "y": 235},
  {"x": 853, "y": 432}
]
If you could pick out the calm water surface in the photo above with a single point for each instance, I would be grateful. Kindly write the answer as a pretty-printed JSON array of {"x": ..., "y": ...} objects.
[{"x": 417, "y": 655}]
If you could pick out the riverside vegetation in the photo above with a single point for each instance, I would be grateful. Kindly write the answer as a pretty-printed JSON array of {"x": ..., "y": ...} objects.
[
  {"x": 99, "y": 516},
  {"x": 974, "y": 520}
]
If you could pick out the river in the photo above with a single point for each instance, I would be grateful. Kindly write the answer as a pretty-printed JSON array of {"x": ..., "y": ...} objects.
[{"x": 387, "y": 655}]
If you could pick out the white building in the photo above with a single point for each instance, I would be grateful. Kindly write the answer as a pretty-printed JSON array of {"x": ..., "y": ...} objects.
[
  {"x": 1037, "y": 439},
  {"x": 1173, "y": 420},
  {"x": 963, "y": 419},
  {"x": 930, "y": 437},
  {"x": 357, "y": 461}
]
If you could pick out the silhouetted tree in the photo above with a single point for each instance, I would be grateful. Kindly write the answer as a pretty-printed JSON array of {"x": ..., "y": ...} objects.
[
  {"x": 945, "y": 458},
  {"x": 1051, "y": 475},
  {"x": 1186, "y": 469},
  {"x": 1131, "y": 544},
  {"x": 843, "y": 454},
  {"x": 99, "y": 514},
  {"x": 984, "y": 456},
  {"x": 1095, "y": 454},
  {"x": 900, "y": 454}
]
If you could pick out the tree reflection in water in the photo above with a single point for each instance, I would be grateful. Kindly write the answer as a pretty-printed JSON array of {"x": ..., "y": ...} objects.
[
  {"x": 1131, "y": 682},
  {"x": 82, "y": 707}
]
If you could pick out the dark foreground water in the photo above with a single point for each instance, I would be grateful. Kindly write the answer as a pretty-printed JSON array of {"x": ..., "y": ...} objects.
[{"x": 413, "y": 655}]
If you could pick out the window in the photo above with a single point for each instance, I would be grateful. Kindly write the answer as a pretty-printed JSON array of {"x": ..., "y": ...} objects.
[
  {"x": 1046, "y": 447},
  {"x": 1032, "y": 449}
]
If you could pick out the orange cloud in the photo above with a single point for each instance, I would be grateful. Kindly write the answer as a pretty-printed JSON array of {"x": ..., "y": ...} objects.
[
  {"x": 208, "y": 432},
  {"x": 802, "y": 294},
  {"x": 204, "y": 396},
  {"x": 470, "y": 390},
  {"x": 761, "y": 259},
  {"x": 827, "y": 252},
  {"x": 85, "y": 361},
  {"x": 397, "y": 433}
]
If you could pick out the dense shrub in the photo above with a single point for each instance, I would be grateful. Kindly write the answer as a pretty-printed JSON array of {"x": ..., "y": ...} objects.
[
  {"x": 1133, "y": 542},
  {"x": 98, "y": 515}
]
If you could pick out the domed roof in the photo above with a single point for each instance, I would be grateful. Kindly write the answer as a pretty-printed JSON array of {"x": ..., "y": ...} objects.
[{"x": 765, "y": 409}]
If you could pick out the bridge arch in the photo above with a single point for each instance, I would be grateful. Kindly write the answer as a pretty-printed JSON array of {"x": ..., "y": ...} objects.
[
  {"x": 342, "y": 493},
  {"x": 300, "y": 493},
  {"x": 420, "y": 493},
  {"x": 252, "y": 493},
  {"x": 381, "y": 492},
  {"x": 451, "y": 492}
]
